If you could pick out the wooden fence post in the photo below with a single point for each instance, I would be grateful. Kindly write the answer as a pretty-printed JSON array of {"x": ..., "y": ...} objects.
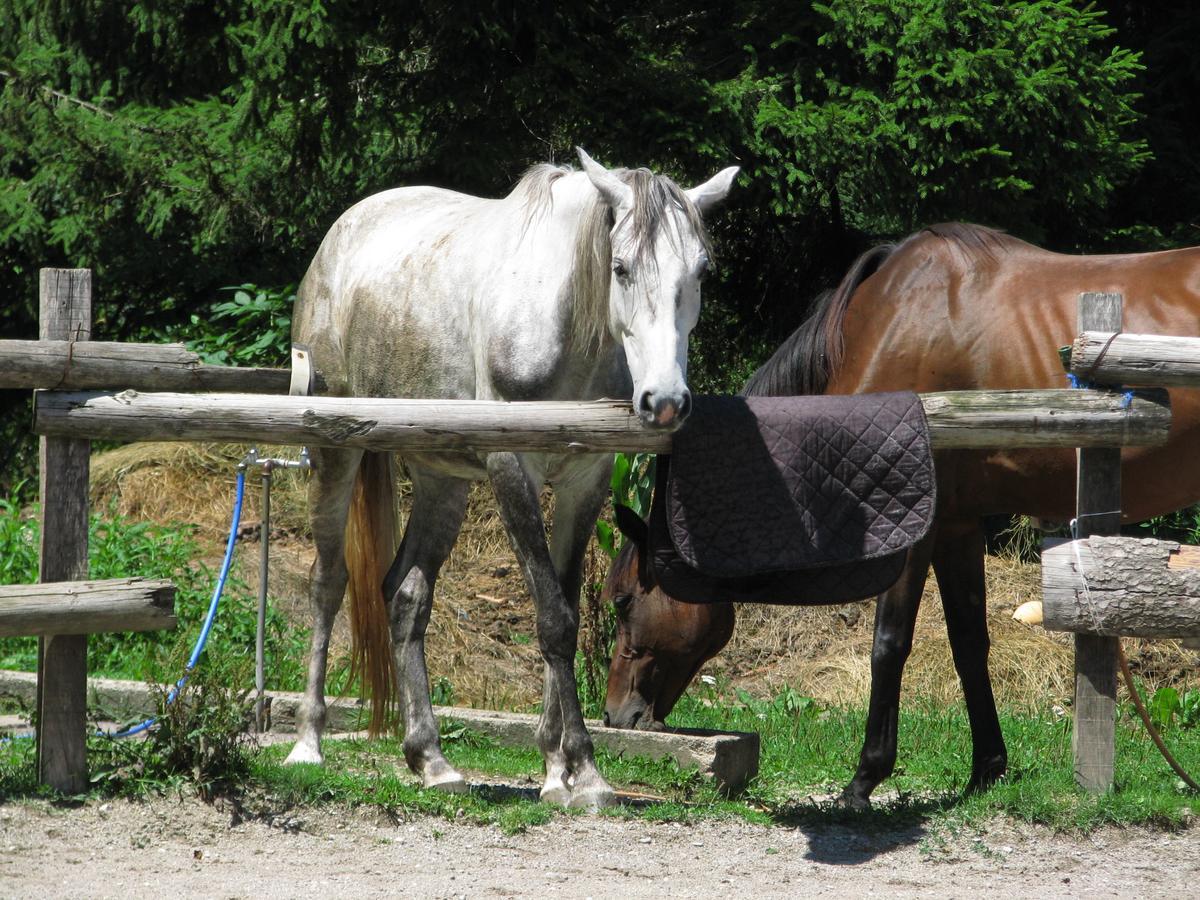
[
  {"x": 66, "y": 314},
  {"x": 1097, "y": 511}
]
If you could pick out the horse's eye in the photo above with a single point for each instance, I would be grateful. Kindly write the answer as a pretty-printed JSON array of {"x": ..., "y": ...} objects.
[
  {"x": 622, "y": 601},
  {"x": 619, "y": 269},
  {"x": 702, "y": 268}
]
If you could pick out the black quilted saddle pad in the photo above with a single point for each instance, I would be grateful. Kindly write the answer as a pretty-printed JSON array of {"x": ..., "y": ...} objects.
[{"x": 796, "y": 500}]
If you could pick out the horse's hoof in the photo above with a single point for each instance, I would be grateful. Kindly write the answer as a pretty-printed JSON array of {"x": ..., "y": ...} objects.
[
  {"x": 593, "y": 799},
  {"x": 985, "y": 777},
  {"x": 304, "y": 753},
  {"x": 556, "y": 794},
  {"x": 853, "y": 802},
  {"x": 447, "y": 780}
]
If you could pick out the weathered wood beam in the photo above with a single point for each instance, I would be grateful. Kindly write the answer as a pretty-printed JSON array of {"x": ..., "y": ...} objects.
[
  {"x": 958, "y": 419},
  {"x": 1138, "y": 587},
  {"x": 100, "y": 365},
  {"x": 1136, "y": 359},
  {"x": 86, "y": 607},
  {"x": 1046, "y": 418}
]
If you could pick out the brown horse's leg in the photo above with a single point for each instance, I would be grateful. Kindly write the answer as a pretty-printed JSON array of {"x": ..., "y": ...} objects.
[
  {"x": 333, "y": 474},
  {"x": 438, "y": 507},
  {"x": 895, "y": 617},
  {"x": 557, "y": 627},
  {"x": 958, "y": 564}
]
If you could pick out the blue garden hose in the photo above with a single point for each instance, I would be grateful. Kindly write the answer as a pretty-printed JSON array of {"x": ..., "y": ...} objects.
[
  {"x": 213, "y": 606},
  {"x": 205, "y": 630}
]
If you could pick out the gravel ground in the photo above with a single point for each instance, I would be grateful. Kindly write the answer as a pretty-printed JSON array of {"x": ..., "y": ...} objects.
[{"x": 187, "y": 848}]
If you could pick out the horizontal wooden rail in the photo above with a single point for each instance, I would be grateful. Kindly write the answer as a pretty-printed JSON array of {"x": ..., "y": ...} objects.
[
  {"x": 86, "y": 607},
  {"x": 1137, "y": 587},
  {"x": 1136, "y": 359},
  {"x": 99, "y": 365},
  {"x": 958, "y": 419}
]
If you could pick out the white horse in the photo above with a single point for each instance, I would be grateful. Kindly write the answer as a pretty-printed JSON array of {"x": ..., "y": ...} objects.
[{"x": 577, "y": 285}]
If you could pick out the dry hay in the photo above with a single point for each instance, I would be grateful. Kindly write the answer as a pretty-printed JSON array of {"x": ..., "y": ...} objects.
[
  {"x": 193, "y": 484},
  {"x": 481, "y": 636}
]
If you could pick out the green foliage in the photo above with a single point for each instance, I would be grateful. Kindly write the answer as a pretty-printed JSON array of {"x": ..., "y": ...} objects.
[
  {"x": 218, "y": 143},
  {"x": 200, "y": 737},
  {"x": 1183, "y": 526},
  {"x": 120, "y": 548},
  {"x": 252, "y": 328},
  {"x": 888, "y": 114},
  {"x": 18, "y": 544},
  {"x": 1169, "y": 708},
  {"x": 632, "y": 485}
]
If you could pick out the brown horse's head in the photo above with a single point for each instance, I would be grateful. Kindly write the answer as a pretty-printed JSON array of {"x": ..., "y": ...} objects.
[{"x": 661, "y": 643}]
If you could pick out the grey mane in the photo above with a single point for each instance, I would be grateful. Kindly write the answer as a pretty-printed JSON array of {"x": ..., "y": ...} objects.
[{"x": 653, "y": 196}]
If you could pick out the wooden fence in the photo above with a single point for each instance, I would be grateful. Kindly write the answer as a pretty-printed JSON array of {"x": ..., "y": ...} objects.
[{"x": 65, "y": 368}]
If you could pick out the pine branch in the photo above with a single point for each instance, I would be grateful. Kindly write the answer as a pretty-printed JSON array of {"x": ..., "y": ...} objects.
[{"x": 90, "y": 107}]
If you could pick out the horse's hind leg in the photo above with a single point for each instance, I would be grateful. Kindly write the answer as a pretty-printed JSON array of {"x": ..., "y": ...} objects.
[
  {"x": 564, "y": 741},
  {"x": 895, "y": 618},
  {"x": 958, "y": 564},
  {"x": 438, "y": 507},
  {"x": 333, "y": 474}
]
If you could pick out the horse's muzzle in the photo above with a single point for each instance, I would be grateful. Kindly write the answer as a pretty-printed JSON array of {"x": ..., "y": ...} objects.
[{"x": 664, "y": 410}]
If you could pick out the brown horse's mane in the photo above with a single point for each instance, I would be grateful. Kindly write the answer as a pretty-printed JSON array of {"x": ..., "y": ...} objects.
[{"x": 804, "y": 363}]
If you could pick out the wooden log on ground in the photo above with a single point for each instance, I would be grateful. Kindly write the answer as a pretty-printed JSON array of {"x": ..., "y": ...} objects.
[
  {"x": 1105, "y": 357},
  {"x": 105, "y": 365},
  {"x": 958, "y": 419},
  {"x": 1138, "y": 587},
  {"x": 87, "y": 607}
]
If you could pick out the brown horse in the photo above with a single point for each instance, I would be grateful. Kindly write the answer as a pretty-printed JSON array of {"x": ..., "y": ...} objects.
[{"x": 953, "y": 307}]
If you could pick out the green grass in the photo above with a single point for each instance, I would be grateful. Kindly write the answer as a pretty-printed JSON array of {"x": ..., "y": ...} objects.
[
  {"x": 808, "y": 753},
  {"x": 121, "y": 548}
]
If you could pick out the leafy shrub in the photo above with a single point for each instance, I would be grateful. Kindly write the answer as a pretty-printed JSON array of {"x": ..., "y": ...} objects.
[
  {"x": 253, "y": 328},
  {"x": 1183, "y": 526},
  {"x": 1168, "y": 707},
  {"x": 120, "y": 548},
  {"x": 200, "y": 737}
]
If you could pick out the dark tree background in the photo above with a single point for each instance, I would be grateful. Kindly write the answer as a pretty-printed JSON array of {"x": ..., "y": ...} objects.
[{"x": 180, "y": 148}]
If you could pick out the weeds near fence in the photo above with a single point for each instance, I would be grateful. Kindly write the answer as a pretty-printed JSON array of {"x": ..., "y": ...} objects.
[
  {"x": 200, "y": 738},
  {"x": 119, "y": 547}
]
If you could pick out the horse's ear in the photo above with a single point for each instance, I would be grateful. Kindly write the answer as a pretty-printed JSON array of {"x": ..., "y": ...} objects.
[
  {"x": 616, "y": 193},
  {"x": 631, "y": 524},
  {"x": 713, "y": 191}
]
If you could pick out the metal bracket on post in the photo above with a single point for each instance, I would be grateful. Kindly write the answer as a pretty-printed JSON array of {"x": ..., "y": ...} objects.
[{"x": 262, "y": 710}]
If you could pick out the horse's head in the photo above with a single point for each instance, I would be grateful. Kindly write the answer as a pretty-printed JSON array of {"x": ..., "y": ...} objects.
[
  {"x": 661, "y": 643},
  {"x": 659, "y": 254}
]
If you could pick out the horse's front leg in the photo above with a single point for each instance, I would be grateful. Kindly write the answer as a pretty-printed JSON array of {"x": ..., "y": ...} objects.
[
  {"x": 895, "y": 618},
  {"x": 562, "y": 738},
  {"x": 333, "y": 474},
  {"x": 958, "y": 564},
  {"x": 578, "y": 497}
]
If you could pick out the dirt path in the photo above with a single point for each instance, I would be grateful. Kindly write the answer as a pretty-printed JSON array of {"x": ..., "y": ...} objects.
[{"x": 173, "y": 848}]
